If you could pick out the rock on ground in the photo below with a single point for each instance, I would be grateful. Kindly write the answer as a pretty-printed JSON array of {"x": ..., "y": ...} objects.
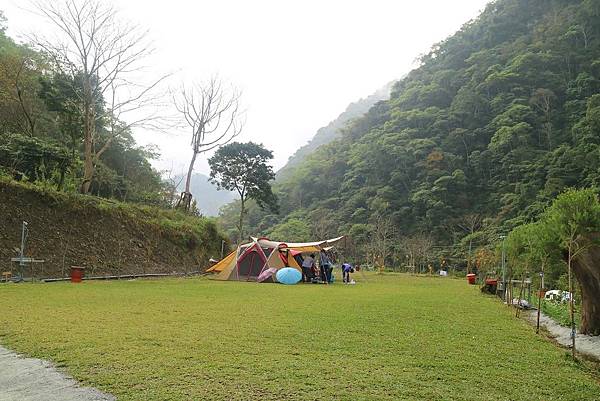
[{"x": 30, "y": 379}]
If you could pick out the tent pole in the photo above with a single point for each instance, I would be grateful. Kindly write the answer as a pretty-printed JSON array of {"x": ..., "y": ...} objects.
[{"x": 237, "y": 263}]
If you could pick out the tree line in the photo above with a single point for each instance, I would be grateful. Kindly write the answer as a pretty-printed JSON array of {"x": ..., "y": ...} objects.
[{"x": 70, "y": 102}]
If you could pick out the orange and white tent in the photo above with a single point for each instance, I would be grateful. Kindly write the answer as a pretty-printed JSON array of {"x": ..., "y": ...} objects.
[{"x": 249, "y": 260}]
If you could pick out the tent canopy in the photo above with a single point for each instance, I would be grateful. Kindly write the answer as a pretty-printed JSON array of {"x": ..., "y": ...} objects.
[{"x": 249, "y": 260}]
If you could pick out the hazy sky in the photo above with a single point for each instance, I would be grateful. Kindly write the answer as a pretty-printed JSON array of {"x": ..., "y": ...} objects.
[{"x": 298, "y": 63}]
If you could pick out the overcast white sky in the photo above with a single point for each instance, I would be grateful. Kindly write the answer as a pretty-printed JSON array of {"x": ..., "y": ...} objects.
[{"x": 299, "y": 63}]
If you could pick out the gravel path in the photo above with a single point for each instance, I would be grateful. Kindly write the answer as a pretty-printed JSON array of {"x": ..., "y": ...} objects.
[
  {"x": 30, "y": 379},
  {"x": 589, "y": 345}
]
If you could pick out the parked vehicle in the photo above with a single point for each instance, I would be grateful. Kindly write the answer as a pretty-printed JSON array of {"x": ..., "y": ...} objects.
[{"x": 557, "y": 296}]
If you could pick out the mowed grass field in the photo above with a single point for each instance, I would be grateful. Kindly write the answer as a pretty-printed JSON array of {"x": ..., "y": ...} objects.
[{"x": 391, "y": 337}]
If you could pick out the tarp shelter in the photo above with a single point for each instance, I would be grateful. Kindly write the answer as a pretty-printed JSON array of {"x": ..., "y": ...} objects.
[{"x": 249, "y": 260}]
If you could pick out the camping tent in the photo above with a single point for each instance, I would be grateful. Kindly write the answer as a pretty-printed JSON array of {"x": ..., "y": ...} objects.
[{"x": 249, "y": 260}]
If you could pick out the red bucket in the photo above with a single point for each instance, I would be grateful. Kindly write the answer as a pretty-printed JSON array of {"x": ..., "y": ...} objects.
[
  {"x": 76, "y": 274},
  {"x": 471, "y": 278}
]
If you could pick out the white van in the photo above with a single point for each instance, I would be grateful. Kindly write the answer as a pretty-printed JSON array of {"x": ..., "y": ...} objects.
[{"x": 553, "y": 295}]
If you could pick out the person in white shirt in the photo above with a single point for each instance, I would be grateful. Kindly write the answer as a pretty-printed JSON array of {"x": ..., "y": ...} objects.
[{"x": 307, "y": 266}]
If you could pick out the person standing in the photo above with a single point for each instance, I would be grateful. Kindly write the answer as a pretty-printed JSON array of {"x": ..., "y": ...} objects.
[
  {"x": 307, "y": 268},
  {"x": 325, "y": 265}
]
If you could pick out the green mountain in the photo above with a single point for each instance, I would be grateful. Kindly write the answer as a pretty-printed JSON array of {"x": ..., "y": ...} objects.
[
  {"x": 333, "y": 130},
  {"x": 494, "y": 123}
]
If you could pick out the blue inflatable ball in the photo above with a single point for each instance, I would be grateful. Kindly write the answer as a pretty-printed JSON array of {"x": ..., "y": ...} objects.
[{"x": 288, "y": 275}]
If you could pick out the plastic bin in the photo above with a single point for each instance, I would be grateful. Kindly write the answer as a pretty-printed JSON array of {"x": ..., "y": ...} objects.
[{"x": 77, "y": 274}]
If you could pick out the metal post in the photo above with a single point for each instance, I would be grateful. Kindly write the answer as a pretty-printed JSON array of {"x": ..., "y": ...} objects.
[
  {"x": 222, "y": 247},
  {"x": 22, "y": 250},
  {"x": 503, "y": 237}
]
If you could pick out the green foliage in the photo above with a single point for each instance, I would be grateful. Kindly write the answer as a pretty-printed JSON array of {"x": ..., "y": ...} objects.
[
  {"x": 243, "y": 167},
  {"x": 573, "y": 215},
  {"x": 292, "y": 230},
  {"x": 559, "y": 312},
  {"x": 565, "y": 224},
  {"x": 34, "y": 159}
]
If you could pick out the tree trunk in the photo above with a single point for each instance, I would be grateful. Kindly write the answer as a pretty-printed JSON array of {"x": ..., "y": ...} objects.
[
  {"x": 185, "y": 200},
  {"x": 61, "y": 181},
  {"x": 188, "y": 178},
  {"x": 241, "y": 223},
  {"x": 586, "y": 268},
  {"x": 88, "y": 145}
]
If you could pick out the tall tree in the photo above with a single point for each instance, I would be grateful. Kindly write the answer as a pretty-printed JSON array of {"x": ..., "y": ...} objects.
[
  {"x": 242, "y": 167},
  {"x": 102, "y": 54},
  {"x": 575, "y": 218},
  {"x": 214, "y": 117}
]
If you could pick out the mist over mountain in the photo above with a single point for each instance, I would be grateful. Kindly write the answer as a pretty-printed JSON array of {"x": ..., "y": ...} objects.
[
  {"x": 209, "y": 199},
  {"x": 333, "y": 130}
]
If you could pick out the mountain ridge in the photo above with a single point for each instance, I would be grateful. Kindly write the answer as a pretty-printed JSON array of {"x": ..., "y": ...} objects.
[{"x": 332, "y": 130}]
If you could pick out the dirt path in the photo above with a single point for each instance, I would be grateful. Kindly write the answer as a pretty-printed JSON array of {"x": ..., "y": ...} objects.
[
  {"x": 589, "y": 345},
  {"x": 30, "y": 379}
]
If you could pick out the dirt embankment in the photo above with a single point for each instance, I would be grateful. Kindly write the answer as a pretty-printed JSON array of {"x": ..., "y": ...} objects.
[{"x": 106, "y": 238}]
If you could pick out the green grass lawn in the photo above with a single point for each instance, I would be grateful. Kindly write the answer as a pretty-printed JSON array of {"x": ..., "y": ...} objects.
[{"x": 392, "y": 337}]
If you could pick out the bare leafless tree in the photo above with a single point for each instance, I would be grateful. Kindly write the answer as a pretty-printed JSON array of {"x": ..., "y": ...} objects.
[
  {"x": 382, "y": 236},
  {"x": 102, "y": 55},
  {"x": 542, "y": 100},
  {"x": 417, "y": 248},
  {"x": 213, "y": 114},
  {"x": 470, "y": 223},
  {"x": 323, "y": 226},
  {"x": 172, "y": 183}
]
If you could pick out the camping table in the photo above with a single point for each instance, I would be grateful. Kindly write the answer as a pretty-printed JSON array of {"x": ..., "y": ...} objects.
[{"x": 26, "y": 261}]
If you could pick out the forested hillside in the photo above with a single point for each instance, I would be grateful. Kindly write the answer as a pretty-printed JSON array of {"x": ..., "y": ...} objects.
[
  {"x": 497, "y": 120},
  {"x": 333, "y": 130}
]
